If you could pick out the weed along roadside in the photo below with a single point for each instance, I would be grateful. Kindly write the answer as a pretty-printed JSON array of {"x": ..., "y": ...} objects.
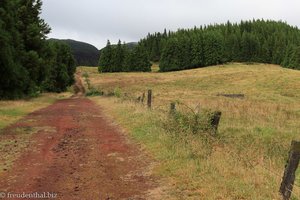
[{"x": 206, "y": 145}]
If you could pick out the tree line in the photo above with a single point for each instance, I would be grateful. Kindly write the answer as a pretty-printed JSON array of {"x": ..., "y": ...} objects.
[
  {"x": 121, "y": 58},
  {"x": 248, "y": 41},
  {"x": 29, "y": 64}
]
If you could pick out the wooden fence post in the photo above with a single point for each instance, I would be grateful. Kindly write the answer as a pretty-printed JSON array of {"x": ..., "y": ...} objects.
[
  {"x": 149, "y": 102},
  {"x": 172, "y": 108},
  {"x": 215, "y": 121},
  {"x": 288, "y": 179},
  {"x": 143, "y": 98}
]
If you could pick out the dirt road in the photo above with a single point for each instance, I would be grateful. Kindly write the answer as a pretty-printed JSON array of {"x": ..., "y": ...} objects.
[{"x": 77, "y": 154}]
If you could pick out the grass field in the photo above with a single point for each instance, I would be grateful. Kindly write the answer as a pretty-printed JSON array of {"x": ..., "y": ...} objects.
[{"x": 246, "y": 160}]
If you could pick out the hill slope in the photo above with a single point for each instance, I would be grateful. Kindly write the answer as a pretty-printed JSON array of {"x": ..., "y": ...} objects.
[
  {"x": 247, "y": 158},
  {"x": 85, "y": 54}
]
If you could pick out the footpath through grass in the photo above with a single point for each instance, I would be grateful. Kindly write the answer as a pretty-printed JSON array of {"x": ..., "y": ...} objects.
[{"x": 246, "y": 160}]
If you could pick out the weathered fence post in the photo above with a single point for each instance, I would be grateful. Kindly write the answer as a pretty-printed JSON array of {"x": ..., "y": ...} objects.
[
  {"x": 215, "y": 121},
  {"x": 143, "y": 98},
  {"x": 288, "y": 179},
  {"x": 172, "y": 108},
  {"x": 149, "y": 102}
]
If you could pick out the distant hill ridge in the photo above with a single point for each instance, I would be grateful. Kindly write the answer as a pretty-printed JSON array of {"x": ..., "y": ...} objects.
[{"x": 85, "y": 54}]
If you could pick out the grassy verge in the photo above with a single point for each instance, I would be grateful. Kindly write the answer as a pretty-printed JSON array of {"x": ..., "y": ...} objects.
[
  {"x": 12, "y": 111},
  {"x": 11, "y": 146}
]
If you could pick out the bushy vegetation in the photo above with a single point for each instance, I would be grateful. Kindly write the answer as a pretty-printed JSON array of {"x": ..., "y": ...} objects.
[
  {"x": 91, "y": 90},
  {"x": 28, "y": 63},
  {"x": 190, "y": 121},
  {"x": 249, "y": 41},
  {"x": 120, "y": 58}
]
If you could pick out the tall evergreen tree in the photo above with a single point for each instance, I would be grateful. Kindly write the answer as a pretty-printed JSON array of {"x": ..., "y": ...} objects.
[
  {"x": 26, "y": 59},
  {"x": 288, "y": 55},
  {"x": 295, "y": 59},
  {"x": 13, "y": 76},
  {"x": 117, "y": 59},
  {"x": 137, "y": 60},
  {"x": 61, "y": 67},
  {"x": 105, "y": 61},
  {"x": 33, "y": 30}
]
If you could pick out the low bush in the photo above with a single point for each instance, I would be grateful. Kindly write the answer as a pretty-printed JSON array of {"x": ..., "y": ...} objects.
[
  {"x": 190, "y": 121},
  {"x": 94, "y": 92},
  {"x": 117, "y": 92}
]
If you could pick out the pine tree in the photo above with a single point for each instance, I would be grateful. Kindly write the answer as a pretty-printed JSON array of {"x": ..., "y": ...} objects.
[
  {"x": 105, "y": 64},
  {"x": 197, "y": 52},
  {"x": 169, "y": 60},
  {"x": 249, "y": 47},
  {"x": 213, "y": 48},
  {"x": 278, "y": 49},
  {"x": 295, "y": 59},
  {"x": 61, "y": 67},
  {"x": 142, "y": 62},
  {"x": 27, "y": 63},
  {"x": 33, "y": 30},
  {"x": 137, "y": 60},
  {"x": 117, "y": 59},
  {"x": 288, "y": 55},
  {"x": 13, "y": 77}
]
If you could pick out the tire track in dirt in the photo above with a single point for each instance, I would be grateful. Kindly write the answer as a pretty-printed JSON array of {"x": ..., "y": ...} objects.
[{"x": 80, "y": 155}]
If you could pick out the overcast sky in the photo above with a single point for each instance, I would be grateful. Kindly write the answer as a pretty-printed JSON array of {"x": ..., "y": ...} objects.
[{"x": 95, "y": 21}]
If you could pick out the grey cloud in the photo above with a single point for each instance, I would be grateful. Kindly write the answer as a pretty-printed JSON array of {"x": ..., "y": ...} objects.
[{"x": 95, "y": 21}]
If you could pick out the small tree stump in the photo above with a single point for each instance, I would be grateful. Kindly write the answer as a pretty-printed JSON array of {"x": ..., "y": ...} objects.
[
  {"x": 215, "y": 120},
  {"x": 288, "y": 179},
  {"x": 172, "y": 108}
]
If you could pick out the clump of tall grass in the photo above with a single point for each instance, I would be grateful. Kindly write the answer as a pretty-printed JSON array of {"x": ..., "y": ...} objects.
[
  {"x": 187, "y": 120},
  {"x": 118, "y": 92},
  {"x": 92, "y": 91}
]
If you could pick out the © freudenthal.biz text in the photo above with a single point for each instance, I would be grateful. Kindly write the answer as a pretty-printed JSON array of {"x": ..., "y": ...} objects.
[{"x": 34, "y": 195}]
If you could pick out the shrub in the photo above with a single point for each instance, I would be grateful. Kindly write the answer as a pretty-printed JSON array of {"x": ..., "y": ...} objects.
[
  {"x": 117, "y": 92},
  {"x": 190, "y": 121},
  {"x": 94, "y": 92}
]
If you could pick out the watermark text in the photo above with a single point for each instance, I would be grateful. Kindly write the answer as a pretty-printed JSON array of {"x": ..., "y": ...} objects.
[{"x": 33, "y": 195}]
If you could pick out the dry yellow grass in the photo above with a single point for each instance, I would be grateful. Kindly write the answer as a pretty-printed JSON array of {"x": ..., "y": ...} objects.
[{"x": 247, "y": 160}]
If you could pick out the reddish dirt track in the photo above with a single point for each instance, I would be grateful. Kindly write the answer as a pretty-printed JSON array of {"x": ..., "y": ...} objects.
[{"x": 78, "y": 155}]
